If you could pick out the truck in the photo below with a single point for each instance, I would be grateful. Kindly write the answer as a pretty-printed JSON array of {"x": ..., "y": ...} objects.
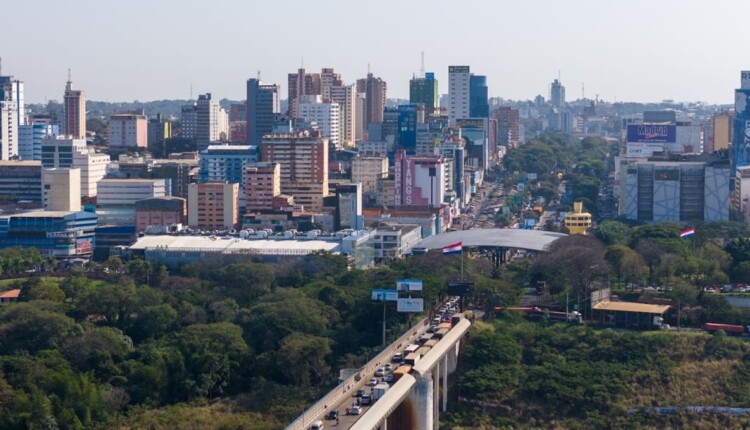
[
  {"x": 379, "y": 390},
  {"x": 731, "y": 329},
  {"x": 412, "y": 359},
  {"x": 401, "y": 371}
]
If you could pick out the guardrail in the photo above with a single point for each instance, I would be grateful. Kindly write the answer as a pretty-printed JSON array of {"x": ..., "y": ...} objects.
[{"x": 350, "y": 386}]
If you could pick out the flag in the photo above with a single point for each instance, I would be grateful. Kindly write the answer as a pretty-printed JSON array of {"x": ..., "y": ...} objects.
[
  {"x": 454, "y": 248},
  {"x": 688, "y": 232}
]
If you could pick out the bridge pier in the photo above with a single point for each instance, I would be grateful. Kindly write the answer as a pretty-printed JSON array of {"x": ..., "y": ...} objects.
[
  {"x": 423, "y": 399},
  {"x": 444, "y": 366}
]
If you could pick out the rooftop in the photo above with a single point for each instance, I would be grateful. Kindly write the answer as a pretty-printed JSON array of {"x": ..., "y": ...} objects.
[
  {"x": 29, "y": 163},
  {"x": 533, "y": 240},
  {"x": 10, "y": 294},
  {"x": 235, "y": 244},
  {"x": 641, "y": 308}
]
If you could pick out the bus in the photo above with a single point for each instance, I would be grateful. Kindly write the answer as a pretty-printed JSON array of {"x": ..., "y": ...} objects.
[
  {"x": 412, "y": 359},
  {"x": 411, "y": 348}
]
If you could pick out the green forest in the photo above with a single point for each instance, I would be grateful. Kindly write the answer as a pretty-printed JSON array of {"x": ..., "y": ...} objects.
[{"x": 246, "y": 345}]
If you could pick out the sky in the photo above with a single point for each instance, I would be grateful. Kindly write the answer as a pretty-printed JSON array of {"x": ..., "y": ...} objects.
[{"x": 635, "y": 50}]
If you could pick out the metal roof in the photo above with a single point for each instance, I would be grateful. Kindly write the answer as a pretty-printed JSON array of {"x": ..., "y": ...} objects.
[
  {"x": 533, "y": 240},
  {"x": 233, "y": 244},
  {"x": 641, "y": 308}
]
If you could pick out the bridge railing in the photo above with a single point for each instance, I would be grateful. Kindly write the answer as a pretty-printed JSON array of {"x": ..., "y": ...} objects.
[{"x": 350, "y": 385}]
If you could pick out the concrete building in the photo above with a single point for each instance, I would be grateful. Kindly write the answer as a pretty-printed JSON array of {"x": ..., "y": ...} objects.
[
  {"x": 227, "y": 163},
  {"x": 66, "y": 153},
  {"x": 349, "y": 207},
  {"x": 577, "y": 221},
  {"x": 74, "y": 111},
  {"x": 12, "y": 116},
  {"x": 128, "y": 130},
  {"x": 213, "y": 206},
  {"x": 368, "y": 170},
  {"x": 262, "y": 184},
  {"x": 659, "y": 191},
  {"x": 304, "y": 166},
  {"x": 62, "y": 189},
  {"x": 160, "y": 211},
  {"x": 21, "y": 181},
  {"x": 300, "y": 84},
  {"x": 424, "y": 91},
  {"x": 159, "y": 130},
  {"x": 57, "y": 234},
  {"x": 31, "y": 137},
  {"x": 419, "y": 181},
  {"x": 189, "y": 121},
  {"x": 346, "y": 97},
  {"x": 722, "y": 132},
  {"x": 557, "y": 94},
  {"x": 312, "y": 108},
  {"x": 458, "y": 93},
  {"x": 329, "y": 79},
  {"x": 262, "y": 103},
  {"x": 375, "y": 90},
  {"x": 207, "y": 121},
  {"x": 394, "y": 242},
  {"x": 116, "y": 198},
  {"x": 508, "y": 126}
]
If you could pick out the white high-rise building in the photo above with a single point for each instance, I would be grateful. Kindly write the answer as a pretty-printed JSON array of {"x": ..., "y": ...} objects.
[
  {"x": 8, "y": 129},
  {"x": 346, "y": 97},
  {"x": 325, "y": 114},
  {"x": 458, "y": 93},
  {"x": 72, "y": 153}
]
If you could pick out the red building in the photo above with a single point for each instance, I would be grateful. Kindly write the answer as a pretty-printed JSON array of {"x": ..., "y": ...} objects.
[{"x": 160, "y": 211}]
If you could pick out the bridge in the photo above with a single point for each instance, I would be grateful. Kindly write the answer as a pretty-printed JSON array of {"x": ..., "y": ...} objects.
[{"x": 411, "y": 403}]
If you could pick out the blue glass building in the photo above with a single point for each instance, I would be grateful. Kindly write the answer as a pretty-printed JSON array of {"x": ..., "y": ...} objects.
[
  {"x": 479, "y": 106},
  {"x": 54, "y": 233}
]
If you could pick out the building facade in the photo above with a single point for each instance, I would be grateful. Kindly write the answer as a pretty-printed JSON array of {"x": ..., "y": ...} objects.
[
  {"x": 74, "y": 111},
  {"x": 31, "y": 137},
  {"x": 424, "y": 91},
  {"x": 458, "y": 93},
  {"x": 57, "y": 234},
  {"x": 368, "y": 171},
  {"x": 213, "y": 205},
  {"x": 262, "y": 184},
  {"x": 61, "y": 189},
  {"x": 312, "y": 108},
  {"x": 508, "y": 126},
  {"x": 116, "y": 198},
  {"x": 21, "y": 181},
  {"x": 419, "y": 181},
  {"x": 262, "y": 103},
  {"x": 375, "y": 91},
  {"x": 128, "y": 130},
  {"x": 346, "y": 97},
  {"x": 227, "y": 163},
  {"x": 67, "y": 153},
  {"x": 160, "y": 211}
]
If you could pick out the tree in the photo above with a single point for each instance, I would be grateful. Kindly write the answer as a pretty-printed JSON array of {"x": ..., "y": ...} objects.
[
  {"x": 41, "y": 289},
  {"x": 303, "y": 358},
  {"x": 28, "y": 327},
  {"x": 615, "y": 256},
  {"x": 612, "y": 232}
]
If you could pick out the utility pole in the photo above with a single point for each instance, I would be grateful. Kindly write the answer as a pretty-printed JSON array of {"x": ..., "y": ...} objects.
[{"x": 384, "y": 303}]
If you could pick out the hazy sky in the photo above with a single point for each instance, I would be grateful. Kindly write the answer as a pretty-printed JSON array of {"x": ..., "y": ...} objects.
[{"x": 635, "y": 50}]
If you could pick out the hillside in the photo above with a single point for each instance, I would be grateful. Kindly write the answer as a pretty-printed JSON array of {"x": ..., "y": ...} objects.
[{"x": 514, "y": 373}]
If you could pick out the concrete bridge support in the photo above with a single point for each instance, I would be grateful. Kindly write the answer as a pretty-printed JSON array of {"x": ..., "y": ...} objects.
[{"x": 423, "y": 396}]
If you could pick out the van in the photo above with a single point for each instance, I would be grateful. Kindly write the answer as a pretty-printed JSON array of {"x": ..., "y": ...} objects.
[{"x": 317, "y": 425}]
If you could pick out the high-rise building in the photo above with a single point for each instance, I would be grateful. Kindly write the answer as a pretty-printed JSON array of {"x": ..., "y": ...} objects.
[
  {"x": 375, "y": 90},
  {"x": 262, "y": 104},
  {"x": 557, "y": 94},
  {"x": 425, "y": 91},
  {"x": 479, "y": 106},
  {"x": 128, "y": 129},
  {"x": 300, "y": 84},
  {"x": 207, "y": 117},
  {"x": 741, "y": 135},
  {"x": 115, "y": 200},
  {"x": 368, "y": 171},
  {"x": 189, "y": 121},
  {"x": 349, "y": 207},
  {"x": 407, "y": 127},
  {"x": 21, "y": 181},
  {"x": 346, "y": 97},
  {"x": 74, "y": 109},
  {"x": 459, "y": 78},
  {"x": 508, "y": 126},
  {"x": 12, "y": 116},
  {"x": 67, "y": 153},
  {"x": 419, "y": 181},
  {"x": 325, "y": 114},
  {"x": 61, "y": 189},
  {"x": 159, "y": 130},
  {"x": 213, "y": 205},
  {"x": 227, "y": 163},
  {"x": 303, "y": 159},
  {"x": 722, "y": 131},
  {"x": 262, "y": 184},
  {"x": 328, "y": 79}
]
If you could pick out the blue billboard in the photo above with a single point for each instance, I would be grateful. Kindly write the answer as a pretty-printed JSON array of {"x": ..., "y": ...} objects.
[{"x": 655, "y": 133}]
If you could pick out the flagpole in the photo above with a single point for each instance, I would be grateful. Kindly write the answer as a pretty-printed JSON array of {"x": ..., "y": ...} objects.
[{"x": 462, "y": 264}]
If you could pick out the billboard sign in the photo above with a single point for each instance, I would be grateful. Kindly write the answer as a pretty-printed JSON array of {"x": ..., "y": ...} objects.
[
  {"x": 458, "y": 69},
  {"x": 384, "y": 295},
  {"x": 650, "y": 133},
  {"x": 745, "y": 79},
  {"x": 408, "y": 285},
  {"x": 410, "y": 305},
  {"x": 470, "y": 123}
]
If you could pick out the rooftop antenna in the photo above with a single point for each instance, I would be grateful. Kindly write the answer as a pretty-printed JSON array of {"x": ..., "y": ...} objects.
[
  {"x": 258, "y": 75},
  {"x": 69, "y": 80},
  {"x": 368, "y": 68},
  {"x": 421, "y": 69}
]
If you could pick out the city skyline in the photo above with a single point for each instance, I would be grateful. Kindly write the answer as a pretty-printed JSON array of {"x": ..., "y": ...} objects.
[{"x": 647, "y": 52}]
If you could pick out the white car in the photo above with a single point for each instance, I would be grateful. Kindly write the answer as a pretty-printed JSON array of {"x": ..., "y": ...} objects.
[
  {"x": 372, "y": 382},
  {"x": 380, "y": 372},
  {"x": 355, "y": 410}
]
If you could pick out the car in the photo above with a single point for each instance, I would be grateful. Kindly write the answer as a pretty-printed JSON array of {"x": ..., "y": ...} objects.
[
  {"x": 397, "y": 357},
  {"x": 387, "y": 367},
  {"x": 355, "y": 410},
  {"x": 431, "y": 329},
  {"x": 360, "y": 392},
  {"x": 372, "y": 382},
  {"x": 332, "y": 415},
  {"x": 389, "y": 377},
  {"x": 366, "y": 400},
  {"x": 380, "y": 372}
]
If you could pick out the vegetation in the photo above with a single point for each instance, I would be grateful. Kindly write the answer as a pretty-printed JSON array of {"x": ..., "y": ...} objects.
[{"x": 515, "y": 373}]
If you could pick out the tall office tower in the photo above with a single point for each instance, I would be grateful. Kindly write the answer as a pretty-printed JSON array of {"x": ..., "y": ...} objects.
[
  {"x": 128, "y": 129},
  {"x": 30, "y": 139},
  {"x": 300, "y": 84},
  {"x": 346, "y": 97},
  {"x": 324, "y": 114},
  {"x": 304, "y": 166},
  {"x": 12, "y": 90},
  {"x": 74, "y": 108},
  {"x": 227, "y": 163},
  {"x": 508, "y": 126},
  {"x": 741, "y": 134},
  {"x": 159, "y": 130},
  {"x": 61, "y": 189},
  {"x": 368, "y": 171},
  {"x": 213, "y": 205},
  {"x": 67, "y": 153},
  {"x": 12, "y": 116},
  {"x": 262, "y": 104},
  {"x": 207, "y": 121},
  {"x": 262, "y": 184},
  {"x": 328, "y": 79},
  {"x": 21, "y": 181},
  {"x": 375, "y": 90},
  {"x": 557, "y": 94},
  {"x": 459, "y": 78},
  {"x": 479, "y": 106},
  {"x": 349, "y": 207},
  {"x": 189, "y": 121},
  {"x": 425, "y": 91},
  {"x": 360, "y": 129}
]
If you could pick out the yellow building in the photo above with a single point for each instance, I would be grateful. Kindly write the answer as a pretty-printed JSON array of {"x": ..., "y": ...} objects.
[{"x": 578, "y": 221}]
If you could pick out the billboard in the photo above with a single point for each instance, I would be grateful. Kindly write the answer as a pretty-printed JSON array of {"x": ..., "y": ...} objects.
[
  {"x": 410, "y": 305},
  {"x": 458, "y": 69},
  {"x": 384, "y": 295},
  {"x": 470, "y": 123},
  {"x": 745, "y": 79},
  {"x": 650, "y": 133},
  {"x": 409, "y": 285}
]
